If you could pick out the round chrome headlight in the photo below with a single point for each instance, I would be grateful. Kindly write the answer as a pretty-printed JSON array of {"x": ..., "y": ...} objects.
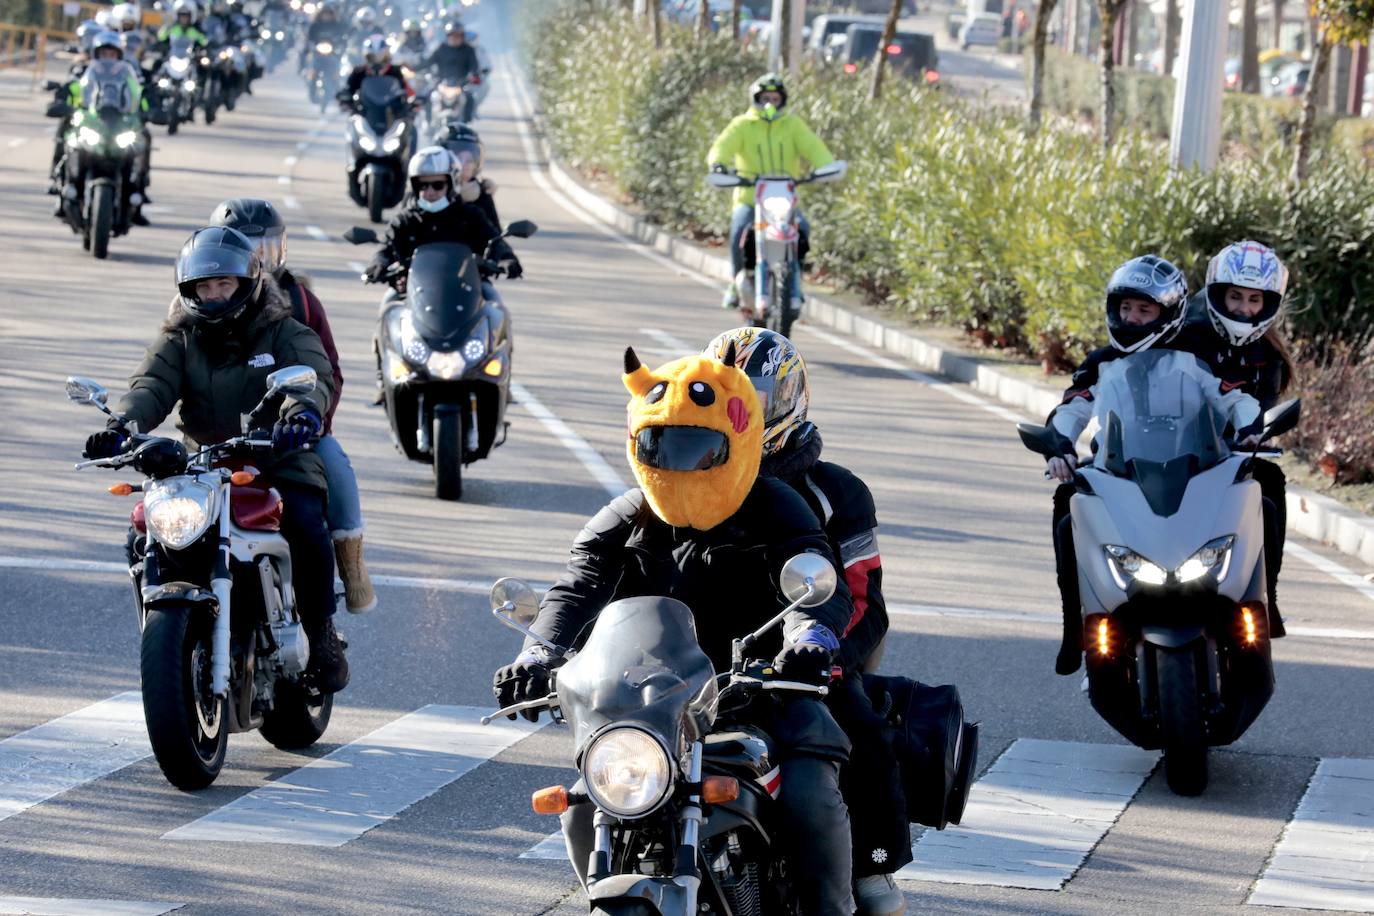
[
  {"x": 627, "y": 772},
  {"x": 178, "y": 510}
]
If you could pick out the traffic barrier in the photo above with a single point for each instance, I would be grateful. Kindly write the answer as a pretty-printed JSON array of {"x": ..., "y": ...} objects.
[{"x": 23, "y": 46}]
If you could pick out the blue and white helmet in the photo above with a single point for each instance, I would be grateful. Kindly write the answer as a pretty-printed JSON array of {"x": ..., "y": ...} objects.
[
  {"x": 1252, "y": 266},
  {"x": 1146, "y": 277}
]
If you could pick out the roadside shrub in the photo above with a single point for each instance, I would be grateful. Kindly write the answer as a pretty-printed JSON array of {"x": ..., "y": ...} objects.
[{"x": 1337, "y": 429}]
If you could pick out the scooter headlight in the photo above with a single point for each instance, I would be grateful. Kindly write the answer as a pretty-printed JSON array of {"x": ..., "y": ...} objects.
[
  {"x": 475, "y": 349},
  {"x": 1127, "y": 566},
  {"x": 445, "y": 364},
  {"x": 189, "y": 85},
  {"x": 1213, "y": 557},
  {"x": 324, "y": 47},
  {"x": 266, "y": 34},
  {"x": 90, "y": 136},
  {"x": 406, "y": 340},
  {"x": 281, "y": 36},
  {"x": 126, "y": 139},
  {"x": 627, "y": 771},
  {"x": 366, "y": 143},
  {"x": 394, "y": 137},
  {"x": 178, "y": 510},
  {"x": 164, "y": 83}
]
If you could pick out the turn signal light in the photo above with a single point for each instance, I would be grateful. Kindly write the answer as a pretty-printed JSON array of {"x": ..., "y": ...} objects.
[
  {"x": 493, "y": 367},
  {"x": 242, "y": 478},
  {"x": 1104, "y": 638},
  {"x": 553, "y": 800},
  {"x": 122, "y": 489},
  {"x": 716, "y": 790},
  {"x": 1249, "y": 628}
]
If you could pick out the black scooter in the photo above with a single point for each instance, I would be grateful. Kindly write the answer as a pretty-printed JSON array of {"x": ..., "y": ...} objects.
[{"x": 443, "y": 348}]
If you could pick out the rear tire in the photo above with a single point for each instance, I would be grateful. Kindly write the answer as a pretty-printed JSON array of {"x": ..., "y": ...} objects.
[
  {"x": 188, "y": 727},
  {"x": 298, "y": 718},
  {"x": 447, "y": 451},
  {"x": 376, "y": 204},
  {"x": 1181, "y": 721},
  {"x": 102, "y": 218}
]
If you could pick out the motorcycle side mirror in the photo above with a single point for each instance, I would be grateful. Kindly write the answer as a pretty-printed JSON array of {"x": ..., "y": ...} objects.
[
  {"x": 297, "y": 381},
  {"x": 807, "y": 580},
  {"x": 1282, "y": 418},
  {"x": 521, "y": 229},
  {"x": 82, "y": 390},
  {"x": 1038, "y": 439},
  {"x": 832, "y": 172},
  {"x": 360, "y": 236},
  {"x": 52, "y": 85},
  {"x": 723, "y": 180},
  {"x": 514, "y": 598}
]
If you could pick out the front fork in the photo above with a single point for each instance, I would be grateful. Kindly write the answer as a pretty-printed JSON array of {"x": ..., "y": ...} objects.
[{"x": 220, "y": 584}]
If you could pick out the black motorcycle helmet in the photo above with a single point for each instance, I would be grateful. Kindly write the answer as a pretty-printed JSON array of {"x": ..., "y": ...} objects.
[
  {"x": 461, "y": 140},
  {"x": 218, "y": 251},
  {"x": 260, "y": 221}
]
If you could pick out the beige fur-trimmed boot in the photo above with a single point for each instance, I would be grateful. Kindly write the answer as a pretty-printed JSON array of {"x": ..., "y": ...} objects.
[{"x": 358, "y": 594}]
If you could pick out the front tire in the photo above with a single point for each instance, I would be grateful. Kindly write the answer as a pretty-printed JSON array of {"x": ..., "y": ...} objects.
[
  {"x": 376, "y": 204},
  {"x": 298, "y": 718},
  {"x": 188, "y": 726},
  {"x": 172, "y": 124},
  {"x": 102, "y": 218},
  {"x": 1181, "y": 720},
  {"x": 448, "y": 455}
]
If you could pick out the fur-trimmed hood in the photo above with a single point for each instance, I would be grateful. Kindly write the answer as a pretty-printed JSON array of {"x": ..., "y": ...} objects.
[{"x": 276, "y": 307}]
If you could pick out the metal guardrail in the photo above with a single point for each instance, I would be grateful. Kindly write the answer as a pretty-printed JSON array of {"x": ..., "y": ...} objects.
[{"x": 23, "y": 46}]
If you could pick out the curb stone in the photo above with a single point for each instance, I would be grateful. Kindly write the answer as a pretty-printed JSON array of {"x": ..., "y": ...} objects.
[{"x": 1310, "y": 514}]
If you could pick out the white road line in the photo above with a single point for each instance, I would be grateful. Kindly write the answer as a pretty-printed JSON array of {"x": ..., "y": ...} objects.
[
  {"x": 315, "y": 232},
  {"x": 550, "y": 848},
  {"x": 291, "y": 202},
  {"x": 54, "y": 906},
  {"x": 63, "y": 564},
  {"x": 338, "y": 798},
  {"x": 671, "y": 341},
  {"x": 284, "y": 179},
  {"x": 1325, "y": 859},
  {"x": 591, "y": 459},
  {"x": 59, "y": 755},
  {"x": 305, "y": 144},
  {"x": 291, "y": 161},
  {"x": 1330, "y": 567},
  {"x": 17, "y": 142},
  {"x": 1034, "y": 816}
]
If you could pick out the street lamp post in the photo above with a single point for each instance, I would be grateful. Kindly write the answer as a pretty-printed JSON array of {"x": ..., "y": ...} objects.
[{"x": 1195, "y": 135}]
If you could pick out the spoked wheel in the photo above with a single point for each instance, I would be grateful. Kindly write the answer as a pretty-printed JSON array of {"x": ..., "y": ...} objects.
[
  {"x": 1185, "y": 733},
  {"x": 448, "y": 454},
  {"x": 187, "y": 723},
  {"x": 299, "y": 716}
]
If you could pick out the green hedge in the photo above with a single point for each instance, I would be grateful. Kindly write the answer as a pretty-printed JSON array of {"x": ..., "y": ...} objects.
[{"x": 950, "y": 212}]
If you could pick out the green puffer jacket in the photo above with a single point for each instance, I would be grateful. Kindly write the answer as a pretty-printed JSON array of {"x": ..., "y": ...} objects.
[
  {"x": 218, "y": 378},
  {"x": 752, "y": 147}
]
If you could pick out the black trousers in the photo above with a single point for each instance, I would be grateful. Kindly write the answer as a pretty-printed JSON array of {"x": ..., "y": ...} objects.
[
  {"x": 312, "y": 552},
  {"x": 871, "y": 783},
  {"x": 1065, "y": 560}
]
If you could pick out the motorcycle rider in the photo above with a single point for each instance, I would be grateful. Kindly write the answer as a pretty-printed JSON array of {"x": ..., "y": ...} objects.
[
  {"x": 230, "y": 328},
  {"x": 106, "y": 46},
  {"x": 871, "y": 780},
  {"x": 721, "y": 558},
  {"x": 455, "y": 62},
  {"x": 1232, "y": 325},
  {"x": 86, "y": 34},
  {"x": 365, "y": 23},
  {"x": 482, "y": 81},
  {"x": 1145, "y": 306},
  {"x": 325, "y": 27},
  {"x": 127, "y": 17},
  {"x": 412, "y": 39},
  {"x": 765, "y": 140},
  {"x": 262, "y": 224},
  {"x": 462, "y": 141},
  {"x": 376, "y": 62},
  {"x": 183, "y": 25}
]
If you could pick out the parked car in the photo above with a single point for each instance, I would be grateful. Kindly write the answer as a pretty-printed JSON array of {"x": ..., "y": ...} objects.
[
  {"x": 983, "y": 29},
  {"x": 1289, "y": 81},
  {"x": 827, "y": 25},
  {"x": 910, "y": 54}
]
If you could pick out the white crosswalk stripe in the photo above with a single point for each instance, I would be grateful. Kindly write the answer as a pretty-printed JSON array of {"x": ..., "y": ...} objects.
[
  {"x": 55, "y": 906},
  {"x": 1325, "y": 860},
  {"x": 338, "y": 798}
]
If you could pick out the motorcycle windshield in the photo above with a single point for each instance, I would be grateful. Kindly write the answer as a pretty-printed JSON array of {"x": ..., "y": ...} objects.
[
  {"x": 641, "y": 664},
  {"x": 105, "y": 87},
  {"x": 382, "y": 101},
  {"x": 444, "y": 293},
  {"x": 1158, "y": 427},
  {"x": 181, "y": 48}
]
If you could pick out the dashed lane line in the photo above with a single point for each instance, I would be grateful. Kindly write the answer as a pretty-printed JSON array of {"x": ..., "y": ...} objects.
[
  {"x": 291, "y": 202},
  {"x": 58, "y": 906},
  {"x": 591, "y": 459},
  {"x": 315, "y": 232},
  {"x": 17, "y": 142}
]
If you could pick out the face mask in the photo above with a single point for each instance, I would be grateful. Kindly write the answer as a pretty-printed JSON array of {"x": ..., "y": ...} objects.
[
  {"x": 770, "y": 111},
  {"x": 432, "y": 206}
]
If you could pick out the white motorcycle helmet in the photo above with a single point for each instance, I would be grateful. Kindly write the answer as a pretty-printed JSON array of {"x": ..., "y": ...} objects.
[
  {"x": 127, "y": 17},
  {"x": 1251, "y": 266},
  {"x": 375, "y": 50},
  {"x": 105, "y": 19},
  {"x": 185, "y": 6},
  {"x": 365, "y": 19},
  {"x": 431, "y": 162}
]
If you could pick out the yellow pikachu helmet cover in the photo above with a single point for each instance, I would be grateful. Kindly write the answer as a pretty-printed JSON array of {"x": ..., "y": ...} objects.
[{"x": 695, "y": 430}]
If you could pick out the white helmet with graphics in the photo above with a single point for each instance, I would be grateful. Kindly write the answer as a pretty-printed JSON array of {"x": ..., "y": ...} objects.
[{"x": 1250, "y": 266}]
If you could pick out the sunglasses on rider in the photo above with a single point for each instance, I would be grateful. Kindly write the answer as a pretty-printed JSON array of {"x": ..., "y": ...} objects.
[{"x": 440, "y": 185}]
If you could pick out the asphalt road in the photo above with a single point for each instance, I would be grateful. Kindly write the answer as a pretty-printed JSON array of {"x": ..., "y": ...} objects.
[{"x": 964, "y": 536}]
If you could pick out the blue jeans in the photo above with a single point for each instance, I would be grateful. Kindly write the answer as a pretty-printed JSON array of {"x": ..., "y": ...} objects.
[
  {"x": 345, "y": 511},
  {"x": 740, "y": 222}
]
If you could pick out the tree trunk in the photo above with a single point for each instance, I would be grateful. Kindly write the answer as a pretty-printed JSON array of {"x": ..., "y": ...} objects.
[
  {"x": 704, "y": 18},
  {"x": 1321, "y": 54},
  {"x": 1132, "y": 33},
  {"x": 875, "y": 88},
  {"x": 1276, "y": 35},
  {"x": 1108, "y": 11},
  {"x": 656, "y": 22},
  {"x": 1249, "y": 47},
  {"x": 1043, "y": 11},
  {"x": 734, "y": 18},
  {"x": 1173, "y": 25}
]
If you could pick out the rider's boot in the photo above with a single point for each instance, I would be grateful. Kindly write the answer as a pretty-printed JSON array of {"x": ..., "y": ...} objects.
[
  {"x": 328, "y": 664},
  {"x": 878, "y": 895},
  {"x": 358, "y": 594}
]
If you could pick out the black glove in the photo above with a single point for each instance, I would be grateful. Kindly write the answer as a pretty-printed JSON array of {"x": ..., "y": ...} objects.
[
  {"x": 375, "y": 271},
  {"x": 526, "y": 678},
  {"x": 513, "y": 269},
  {"x": 808, "y": 659},
  {"x": 105, "y": 444},
  {"x": 291, "y": 434}
]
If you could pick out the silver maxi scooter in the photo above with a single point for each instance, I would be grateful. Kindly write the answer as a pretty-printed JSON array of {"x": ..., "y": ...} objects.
[{"x": 1168, "y": 529}]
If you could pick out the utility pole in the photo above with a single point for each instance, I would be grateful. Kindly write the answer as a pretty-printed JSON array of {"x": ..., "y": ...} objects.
[
  {"x": 775, "y": 38},
  {"x": 794, "y": 37},
  {"x": 1195, "y": 137}
]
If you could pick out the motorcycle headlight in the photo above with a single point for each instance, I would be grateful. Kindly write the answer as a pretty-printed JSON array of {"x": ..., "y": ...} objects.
[
  {"x": 190, "y": 85},
  {"x": 178, "y": 510},
  {"x": 406, "y": 340},
  {"x": 1213, "y": 557},
  {"x": 205, "y": 61},
  {"x": 1127, "y": 566},
  {"x": 281, "y": 36},
  {"x": 126, "y": 139},
  {"x": 164, "y": 83},
  {"x": 391, "y": 144},
  {"x": 366, "y": 142},
  {"x": 226, "y": 54},
  {"x": 445, "y": 365},
  {"x": 627, "y": 772},
  {"x": 777, "y": 208},
  {"x": 324, "y": 47},
  {"x": 266, "y": 34},
  {"x": 475, "y": 349},
  {"x": 90, "y": 136}
]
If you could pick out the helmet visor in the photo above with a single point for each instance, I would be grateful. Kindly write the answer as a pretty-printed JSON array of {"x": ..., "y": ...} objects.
[
  {"x": 215, "y": 261},
  {"x": 681, "y": 448}
]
